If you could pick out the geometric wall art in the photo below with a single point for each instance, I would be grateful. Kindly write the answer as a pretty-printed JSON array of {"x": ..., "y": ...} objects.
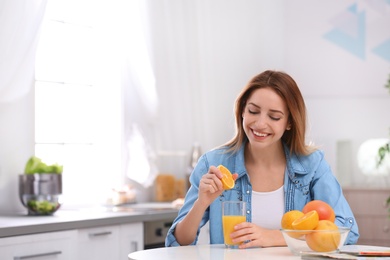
[{"x": 350, "y": 33}]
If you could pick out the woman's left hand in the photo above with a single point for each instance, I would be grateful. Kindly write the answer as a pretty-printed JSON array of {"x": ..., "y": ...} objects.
[{"x": 251, "y": 235}]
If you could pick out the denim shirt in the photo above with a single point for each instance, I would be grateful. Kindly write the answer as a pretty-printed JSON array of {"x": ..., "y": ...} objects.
[{"x": 306, "y": 178}]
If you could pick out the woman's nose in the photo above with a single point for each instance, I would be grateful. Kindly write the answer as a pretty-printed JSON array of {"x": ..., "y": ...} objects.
[{"x": 261, "y": 121}]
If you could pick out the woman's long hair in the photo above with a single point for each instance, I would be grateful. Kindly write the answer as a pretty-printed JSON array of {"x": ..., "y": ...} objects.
[{"x": 285, "y": 86}]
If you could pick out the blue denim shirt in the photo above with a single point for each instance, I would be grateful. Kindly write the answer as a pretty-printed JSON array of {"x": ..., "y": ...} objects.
[{"x": 306, "y": 178}]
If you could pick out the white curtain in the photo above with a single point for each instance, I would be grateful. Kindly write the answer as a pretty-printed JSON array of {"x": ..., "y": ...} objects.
[
  {"x": 20, "y": 22},
  {"x": 140, "y": 95}
]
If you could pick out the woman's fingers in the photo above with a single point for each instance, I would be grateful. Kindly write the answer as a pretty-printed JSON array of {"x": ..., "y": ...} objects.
[
  {"x": 210, "y": 182},
  {"x": 209, "y": 185},
  {"x": 244, "y": 232}
]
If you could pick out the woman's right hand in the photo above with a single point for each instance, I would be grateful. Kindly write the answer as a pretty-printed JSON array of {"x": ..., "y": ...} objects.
[{"x": 210, "y": 186}]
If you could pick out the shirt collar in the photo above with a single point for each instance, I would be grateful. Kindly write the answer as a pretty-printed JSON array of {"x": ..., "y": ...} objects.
[{"x": 293, "y": 162}]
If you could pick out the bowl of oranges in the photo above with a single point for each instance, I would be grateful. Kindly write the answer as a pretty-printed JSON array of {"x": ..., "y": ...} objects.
[{"x": 313, "y": 229}]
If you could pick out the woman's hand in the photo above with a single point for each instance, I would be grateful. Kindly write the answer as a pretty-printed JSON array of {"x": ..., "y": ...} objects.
[
  {"x": 256, "y": 236},
  {"x": 210, "y": 186}
]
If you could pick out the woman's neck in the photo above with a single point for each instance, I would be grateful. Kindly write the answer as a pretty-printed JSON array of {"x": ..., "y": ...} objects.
[
  {"x": 265, "y": 167},
  {"x": 267, "y": 156}
]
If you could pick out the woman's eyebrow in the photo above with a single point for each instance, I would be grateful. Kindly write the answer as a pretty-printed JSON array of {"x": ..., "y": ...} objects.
[
  {"x": 272, "y": 110},
  {"x": 276, "y": 111}
]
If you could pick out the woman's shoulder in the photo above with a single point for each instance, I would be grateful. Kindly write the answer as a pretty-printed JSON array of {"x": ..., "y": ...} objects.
[
  {"x": 309, "y": 161},
  {"x": 223, "y": 155},
  {"x": 218, "y": 153},
  {"x": 314, "y": 155}
]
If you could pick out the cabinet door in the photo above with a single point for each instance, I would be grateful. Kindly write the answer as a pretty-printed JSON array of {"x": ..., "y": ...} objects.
[
  {"x": 131, "y": 239},
  {"x": 53, "y": 245},
  {"x": 98, "y": 243},
  {"x": 371, "y": 213}
]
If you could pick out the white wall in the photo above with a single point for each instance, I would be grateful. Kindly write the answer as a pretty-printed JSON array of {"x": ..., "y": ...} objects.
[{"x": 16, "y": 146}]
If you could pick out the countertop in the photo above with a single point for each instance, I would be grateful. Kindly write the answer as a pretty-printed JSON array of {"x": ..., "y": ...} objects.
[{"x": 16, "y": 224}]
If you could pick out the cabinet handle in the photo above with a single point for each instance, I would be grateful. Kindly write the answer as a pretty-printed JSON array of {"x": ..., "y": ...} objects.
[
  {"x": 100, "y": 234},
  {"x": 37, "y": 255},
  {"x": 134, "y": 245}
]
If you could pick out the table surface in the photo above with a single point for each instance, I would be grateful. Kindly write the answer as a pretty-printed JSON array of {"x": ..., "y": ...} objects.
[
  {"x": 208, "y": 252},
  {"x": 214, "y": 252}
]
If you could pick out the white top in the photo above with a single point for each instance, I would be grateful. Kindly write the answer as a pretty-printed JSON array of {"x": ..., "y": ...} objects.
[{"x": 268, "y": 208}]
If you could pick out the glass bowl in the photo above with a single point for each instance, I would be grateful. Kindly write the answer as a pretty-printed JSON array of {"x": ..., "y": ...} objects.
[
  {"x": 324, "y": 241},
  {"x": 41, "y": 204}
]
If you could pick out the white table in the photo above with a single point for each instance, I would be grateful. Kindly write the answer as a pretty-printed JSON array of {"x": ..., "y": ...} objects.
[
  {"x": 216, "y": 252},
  {"x": 213, "y": 252}
]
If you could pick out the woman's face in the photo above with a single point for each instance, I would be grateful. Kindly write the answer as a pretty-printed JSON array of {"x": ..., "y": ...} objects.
[{"x": 265, "y": 118}]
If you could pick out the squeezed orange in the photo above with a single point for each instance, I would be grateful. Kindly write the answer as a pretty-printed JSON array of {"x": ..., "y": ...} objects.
[
  {"x": 228, "y": 223},
  {"x": 227, "y": 179}
]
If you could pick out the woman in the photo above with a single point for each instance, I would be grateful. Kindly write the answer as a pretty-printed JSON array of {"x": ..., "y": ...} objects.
[{"x": 275, "y": 171}]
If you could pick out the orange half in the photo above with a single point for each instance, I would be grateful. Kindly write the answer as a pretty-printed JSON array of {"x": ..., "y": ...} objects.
[
  {"x": 309, "y": 221},
  {"x": 227, "y": 179}
]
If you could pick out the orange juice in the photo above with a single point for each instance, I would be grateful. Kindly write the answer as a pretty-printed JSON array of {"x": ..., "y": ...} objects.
[{"x": 228, "y": 223}]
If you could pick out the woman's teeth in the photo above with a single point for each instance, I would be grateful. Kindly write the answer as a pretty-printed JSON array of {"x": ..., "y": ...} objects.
[{"x": 259, "y": 134}]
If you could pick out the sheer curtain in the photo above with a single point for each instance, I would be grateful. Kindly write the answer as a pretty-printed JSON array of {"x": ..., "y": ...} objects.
[
  {"x": 127, "y": 62},
  {"x": 140, "y": 97},
  {"x": 20, "y": 22}
]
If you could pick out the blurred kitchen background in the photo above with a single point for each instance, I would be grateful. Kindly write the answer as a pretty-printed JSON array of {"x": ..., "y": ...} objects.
[{"x": 121, "y": 91}]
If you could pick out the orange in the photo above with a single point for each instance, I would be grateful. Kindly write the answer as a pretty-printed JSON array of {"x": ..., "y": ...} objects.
[
  {"x": 325, "y": 239},
  {"x": 227, "y": 179},
  {"x": 287, "y": 220},
  {"x": 324, "y": 210},
  {"x": 289, "y": 217},
  {"x": 307, "y": 222}
]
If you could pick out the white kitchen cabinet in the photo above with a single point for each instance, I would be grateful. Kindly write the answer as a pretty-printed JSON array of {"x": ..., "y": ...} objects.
[
  {"x": 110, "y": 242},
  {"x": 51, "y": 245},
  {"x": 131, "y": 239},
  {"x": 98, "y": 243}
]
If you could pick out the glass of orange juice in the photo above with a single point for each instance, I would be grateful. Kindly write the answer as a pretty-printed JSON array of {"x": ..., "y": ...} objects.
[{"x": 233, "y": 213}]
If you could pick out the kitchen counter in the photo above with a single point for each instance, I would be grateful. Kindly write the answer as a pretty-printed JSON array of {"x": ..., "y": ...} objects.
[{"x": 16, "y": 224}]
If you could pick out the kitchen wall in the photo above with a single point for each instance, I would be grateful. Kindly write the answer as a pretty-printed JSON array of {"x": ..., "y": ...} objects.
[
  {"x": 16, "y": 146},
  {"x": 205, "y": 51}
]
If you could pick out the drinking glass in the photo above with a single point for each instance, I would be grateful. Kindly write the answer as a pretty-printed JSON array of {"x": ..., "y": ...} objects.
[{"x": 233, "y": 213}]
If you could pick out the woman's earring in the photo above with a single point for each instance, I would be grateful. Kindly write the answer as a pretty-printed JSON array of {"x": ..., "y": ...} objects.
[{"x": 288, "y": 127}]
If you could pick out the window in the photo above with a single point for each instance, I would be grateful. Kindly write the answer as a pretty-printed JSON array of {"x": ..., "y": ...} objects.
[{"x": 78, "y": 101}]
